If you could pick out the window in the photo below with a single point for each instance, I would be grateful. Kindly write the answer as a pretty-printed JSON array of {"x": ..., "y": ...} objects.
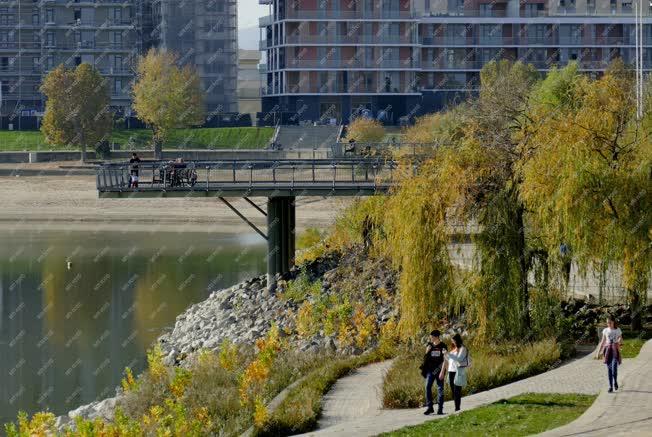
[
  {"x": 117, "y": 15},
  {"x": 35, "y": 17},
  {"x": 49, "y": 15},
  {"x": 77, "y": 15},
  {"x": 117, "y": 39},
  {"x": 117, "y": 62},
  {"x": 485, "y": 9},
  {"x": 49, "y": 39},
  {"x": 36, "y": 63},
  {"x": 117, "y": 86}
]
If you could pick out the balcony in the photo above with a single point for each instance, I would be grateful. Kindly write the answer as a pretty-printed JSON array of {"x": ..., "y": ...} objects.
[
  {"x": 348, "y": 15},
  {"x": 546, "y": 41},
  {"x": 351, "y": 39},
  {"x": 339, "y": 88},
  {"x": 265, "y": 21},
  {"x": 341, "y": 64}
]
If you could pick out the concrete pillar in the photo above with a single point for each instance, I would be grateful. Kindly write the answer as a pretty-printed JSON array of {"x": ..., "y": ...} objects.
[{"x": 280, "y": 237}]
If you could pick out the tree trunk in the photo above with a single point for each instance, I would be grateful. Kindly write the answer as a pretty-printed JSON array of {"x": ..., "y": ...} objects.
[
  {"x": 83, "y": 152},
  {"x": 158, "y": 144},
  {"x": 635, "y": 280},
  {"x": 523, "y": 264}
]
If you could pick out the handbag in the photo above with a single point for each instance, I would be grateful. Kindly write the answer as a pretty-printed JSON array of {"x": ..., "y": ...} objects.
[{"x": 460, "y": 377}]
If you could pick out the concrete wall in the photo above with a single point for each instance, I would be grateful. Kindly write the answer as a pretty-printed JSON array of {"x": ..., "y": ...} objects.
[{"x": 188, "y": 155}]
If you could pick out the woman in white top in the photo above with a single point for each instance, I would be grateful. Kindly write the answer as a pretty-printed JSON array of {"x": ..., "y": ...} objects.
[
  {"x": 457, "y": 358},
  {"x": 612, "y": 339}
]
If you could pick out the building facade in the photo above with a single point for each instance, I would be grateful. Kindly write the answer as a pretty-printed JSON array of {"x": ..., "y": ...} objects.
[
  {"x": 204, "y": 34},
  {"x": 38, "y": 35},
  {"x": 408, "y": 57},
  {"x": 249, "y": 82}
]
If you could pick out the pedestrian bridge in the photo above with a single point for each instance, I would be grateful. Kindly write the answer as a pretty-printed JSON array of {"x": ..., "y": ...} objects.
[
  {"x": 281, "y": 181},
  {"x": 240, "y": 178}
]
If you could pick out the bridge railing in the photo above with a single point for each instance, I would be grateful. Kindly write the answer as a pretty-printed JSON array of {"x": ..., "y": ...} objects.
[
  {"x": 211, "y": 175},
  {"x": 382, "y": 150}
]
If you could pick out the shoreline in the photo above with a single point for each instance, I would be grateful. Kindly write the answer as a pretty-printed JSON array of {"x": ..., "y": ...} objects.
[{"x": 70, "y": 202}]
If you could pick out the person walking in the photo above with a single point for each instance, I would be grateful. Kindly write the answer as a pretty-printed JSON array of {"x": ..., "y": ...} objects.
[
  {"x": 432, "y": 370},
  {"x": 609, "y": 347},
  {"x": 457, "y": 360}
]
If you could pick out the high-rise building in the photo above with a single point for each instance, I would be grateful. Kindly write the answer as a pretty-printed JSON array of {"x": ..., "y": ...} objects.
[
  {"x": 38, "y": 35},
  {"x": 406, "y": 57},
  {"x": 204, "y": 34}
]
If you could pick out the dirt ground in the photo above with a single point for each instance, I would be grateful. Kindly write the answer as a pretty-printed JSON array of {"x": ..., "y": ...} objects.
[{"x": 70, "y": 201}]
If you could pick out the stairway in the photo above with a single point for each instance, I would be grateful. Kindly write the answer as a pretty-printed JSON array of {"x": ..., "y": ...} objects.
[{"x": 307, "y": 137}]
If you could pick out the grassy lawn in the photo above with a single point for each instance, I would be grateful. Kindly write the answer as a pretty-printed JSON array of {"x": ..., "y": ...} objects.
[
  {"x": 522, "y": 415},
  {"x": 634, "y": 341},
  {"x": 203, "y": 138}
]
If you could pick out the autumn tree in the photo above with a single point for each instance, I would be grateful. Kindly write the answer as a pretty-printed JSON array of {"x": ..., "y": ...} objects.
[
  {"x": 166, "y": 96},
  {"x": 365, "y": 130},
  {"x": 589, "y": 179},
  {"x": 77, "y": 111}
]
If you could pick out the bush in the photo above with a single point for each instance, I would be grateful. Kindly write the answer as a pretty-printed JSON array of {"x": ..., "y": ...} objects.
[
  {"x": 491, "y": 366},
  {"x": 365, "y": 130}
]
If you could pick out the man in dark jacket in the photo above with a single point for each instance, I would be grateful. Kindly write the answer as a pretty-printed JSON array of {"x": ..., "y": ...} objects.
[{"x": 432, "y": 368}]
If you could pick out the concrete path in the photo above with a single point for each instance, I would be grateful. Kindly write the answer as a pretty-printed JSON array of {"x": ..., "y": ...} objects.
[
  {"x": 627, "y": 412},
  {"x": 356, "y": 395},
  {"x": 349, "y": 412}
]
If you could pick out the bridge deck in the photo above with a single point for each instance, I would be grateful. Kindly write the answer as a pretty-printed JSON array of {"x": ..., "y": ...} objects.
[{"x": 343, "y": 177}]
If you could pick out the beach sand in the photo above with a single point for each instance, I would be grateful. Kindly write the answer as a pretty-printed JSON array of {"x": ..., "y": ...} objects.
[{"x": 70, "y": 202}]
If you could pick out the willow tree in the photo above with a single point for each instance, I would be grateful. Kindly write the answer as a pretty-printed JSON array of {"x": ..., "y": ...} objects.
[
  {"x": 589, "y": 179},
  {"x": 166, "y": 96}
]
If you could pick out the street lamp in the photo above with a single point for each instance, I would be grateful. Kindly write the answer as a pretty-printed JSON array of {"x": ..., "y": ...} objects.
[{"x": 638, "y": 29}]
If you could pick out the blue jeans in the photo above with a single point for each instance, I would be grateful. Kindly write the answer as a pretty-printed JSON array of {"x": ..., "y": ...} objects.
[
  {"x": 612, "y": 372},
  {"x": 430, "y": 379}
]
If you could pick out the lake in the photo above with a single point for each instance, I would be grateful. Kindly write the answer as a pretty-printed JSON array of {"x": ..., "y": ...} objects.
[{"x": 76, "y": 308}]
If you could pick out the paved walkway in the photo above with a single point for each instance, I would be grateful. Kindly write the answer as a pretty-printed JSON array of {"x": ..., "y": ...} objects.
[
  {"x": 626, "y": 412},
  {"x": 351, "y": 409}
]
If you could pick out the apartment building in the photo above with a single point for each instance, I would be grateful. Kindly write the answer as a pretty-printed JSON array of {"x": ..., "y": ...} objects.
[
  {"x": 204, "y": 34},
  {"x": 38, "y": 35},
  {"x": 407, "y": 57}
]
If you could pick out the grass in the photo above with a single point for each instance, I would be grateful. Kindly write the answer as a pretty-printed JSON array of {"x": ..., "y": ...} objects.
[
  {"x": 522, "y": 415},
  {"x": 634, "y": 341},
  {"x": 491, "y": 366},
  {"x": 202, "y": 138}
]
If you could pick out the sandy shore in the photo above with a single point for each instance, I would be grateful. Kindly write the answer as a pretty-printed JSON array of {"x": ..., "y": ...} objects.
[{"x": 70, "y": 201}]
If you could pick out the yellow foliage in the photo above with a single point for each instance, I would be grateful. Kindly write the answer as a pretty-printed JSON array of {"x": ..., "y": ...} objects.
[
  {"x": 345, "y": 334},
  {"x": 365, "y": 130},
  {"x": 306, "y": 325},
  {"x": 261, "y": 415},
  {"x": 228, "y": 355},
  {"x": 364, "y": 325},
  {"x": 156, "y": 367},
  {"x": 128, "y": 382}
]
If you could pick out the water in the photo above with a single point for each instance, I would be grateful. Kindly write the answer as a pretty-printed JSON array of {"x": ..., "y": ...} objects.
[{"x": 76, "y": 308}]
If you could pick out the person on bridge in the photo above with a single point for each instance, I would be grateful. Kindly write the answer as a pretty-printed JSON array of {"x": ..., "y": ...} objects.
[
  {"x": 133, "y": 180},
  {"x": 612, "y": 339},
  {"x": 432, "y": 370}
]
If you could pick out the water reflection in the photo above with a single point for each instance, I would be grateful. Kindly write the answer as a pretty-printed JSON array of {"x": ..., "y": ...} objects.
[{"x": 77, "y": 307}]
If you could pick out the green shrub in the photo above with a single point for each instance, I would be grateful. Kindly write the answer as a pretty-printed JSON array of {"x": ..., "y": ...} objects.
[{"x": 491, "y": 366}]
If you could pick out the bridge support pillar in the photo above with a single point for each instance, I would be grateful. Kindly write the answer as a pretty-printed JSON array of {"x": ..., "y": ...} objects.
[{"x": 280, "y": 237}]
